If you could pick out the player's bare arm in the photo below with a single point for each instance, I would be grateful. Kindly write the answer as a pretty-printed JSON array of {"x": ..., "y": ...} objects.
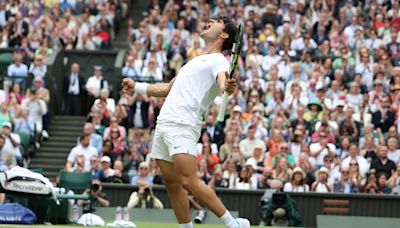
[
  {"x": 226, "y": 84},
  {"x": 154, "y": 90}
]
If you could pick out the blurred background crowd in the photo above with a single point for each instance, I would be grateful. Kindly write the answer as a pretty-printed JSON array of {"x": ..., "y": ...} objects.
[{"x": 316, "y": 108}]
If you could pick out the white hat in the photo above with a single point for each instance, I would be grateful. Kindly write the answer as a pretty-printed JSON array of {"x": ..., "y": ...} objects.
[
  {"x": 7, "y": 124},
  {"x": 341, "y": 103},
  {"x": 237, "y": 108},
  {"x": 324, "y": 170},
  {"x": 299, "y": 170},
  {"x": 105, "y": 159},
  {"x": 251, "y": 163}
]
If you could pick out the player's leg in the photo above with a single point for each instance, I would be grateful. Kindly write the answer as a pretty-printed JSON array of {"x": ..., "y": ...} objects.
[
  {"x": 178, "y": 196},
  {"x": 186, "y": 167}
]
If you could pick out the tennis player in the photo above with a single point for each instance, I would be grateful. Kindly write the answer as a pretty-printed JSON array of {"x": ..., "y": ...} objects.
[{"x": 189, "y": 95}]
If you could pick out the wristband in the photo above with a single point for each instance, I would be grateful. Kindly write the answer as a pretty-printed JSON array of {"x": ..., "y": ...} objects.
[{"x": 141, "y": 87}]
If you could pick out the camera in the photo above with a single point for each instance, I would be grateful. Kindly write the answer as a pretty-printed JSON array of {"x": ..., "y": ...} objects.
[{"x": 96, "y": 187}]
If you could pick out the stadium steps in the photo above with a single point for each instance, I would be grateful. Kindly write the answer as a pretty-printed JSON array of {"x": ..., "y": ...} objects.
[
  {"x": 52, "y": 154},
  {"x": 134, "y": 12}
]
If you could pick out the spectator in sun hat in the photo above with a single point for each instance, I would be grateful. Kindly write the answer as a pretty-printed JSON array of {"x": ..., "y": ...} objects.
[
  {"x": 297, "y": 182},
  {"x": 314, "y": 113},
  {"x": 321, "y": 184}
]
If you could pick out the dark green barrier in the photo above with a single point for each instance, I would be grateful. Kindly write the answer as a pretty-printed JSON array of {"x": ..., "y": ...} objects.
[{"x": 247, "y": 202}]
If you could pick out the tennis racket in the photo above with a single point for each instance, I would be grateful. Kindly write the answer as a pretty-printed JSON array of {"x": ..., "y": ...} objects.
[{"x": 234, "y": 61}]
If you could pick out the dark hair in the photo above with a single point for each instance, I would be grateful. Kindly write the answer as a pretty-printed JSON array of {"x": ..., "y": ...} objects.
[
  {"x": 83, "y": 136},
  {"x": 230, "y": 29}
]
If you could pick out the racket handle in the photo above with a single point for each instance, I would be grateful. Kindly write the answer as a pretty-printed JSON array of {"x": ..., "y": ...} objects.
[{"x": 222, "y": 108}]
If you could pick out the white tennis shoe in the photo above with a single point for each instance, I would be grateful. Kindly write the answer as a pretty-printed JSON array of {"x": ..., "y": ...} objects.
[{"x": 240, "y": 223}]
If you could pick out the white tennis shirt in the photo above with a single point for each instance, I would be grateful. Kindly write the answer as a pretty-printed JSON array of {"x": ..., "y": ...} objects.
[{"x": 194, "y": 90}]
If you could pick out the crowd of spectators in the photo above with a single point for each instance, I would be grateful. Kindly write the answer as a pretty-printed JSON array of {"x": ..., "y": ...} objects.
[
  {"x": 316, "y": 107},
  {"x": 33, "y": 29}
]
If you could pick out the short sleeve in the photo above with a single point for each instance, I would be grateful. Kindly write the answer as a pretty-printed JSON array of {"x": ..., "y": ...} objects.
[{"x": 219, "y": 64}]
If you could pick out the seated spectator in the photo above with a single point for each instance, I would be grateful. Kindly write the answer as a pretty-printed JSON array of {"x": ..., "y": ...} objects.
[
  {"x": 144, "y": 198},
  {"x": 383, "y": 188},
  {"x": 285, "y": 153},
  {"x": 11, "y": 142},
  {"x": 321, "y": 184},
  {"x": 383, "y": 164},
  {"x": 211, "y": 159},
  {"x": 394, "y": 151},
  {"x": 131, "y": 161},
  {"x": 38, "y": 68},
  {"x": 155, "y": 171},
  {"x": 247, "y": 145},
  {"x": 110, "y": 102},
  {"x": 347, "y": 183},
  {"x": 202, "y": 171},
  {"x": 205, "y": 139},
  {"x": 227, "y": 147},
  {"x": 114, "y": 124},
  {"x": 132, "y": 68},
  {"x": 119, "y": 175},
  {"x": 37, "y": 109},
  {"x": 281, "y": 170},
  {"x": 106, "y": 173},
  {"x": 258, "y": 159},
  {"x": 5, "y": 114},
  {"x": 217, "y": 180},
  {"x": 245, "y": 180},
  {"x": 321, "y": 148},
  {"x": 297, "y": 182},
  {"x": 18, "y": 70},
  {"x": 15, "y": 92},
  {"x": 372, "y": 183},
  {"x": 23, "y": 125},
  {"x": 83, "y": 148},
  {"x": 95, "y": 140},
  {"x": 118, "y": 143},
  {"x": 79, "y": 164},
  {"x": 143, "y": 175},
  {"x": 95, "y": 167},
  {"x": 152, "y": 72},
  {"x": 362, "y": 163}
]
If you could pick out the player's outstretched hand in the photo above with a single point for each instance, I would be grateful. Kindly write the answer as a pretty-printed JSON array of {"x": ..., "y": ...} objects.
[
  {"x": 230, "y": 85},
  {"x": 128, "y": 86}
]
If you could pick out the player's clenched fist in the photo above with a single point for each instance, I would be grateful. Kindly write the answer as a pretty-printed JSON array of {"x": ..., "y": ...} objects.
[{"x": 128, "y": 86}]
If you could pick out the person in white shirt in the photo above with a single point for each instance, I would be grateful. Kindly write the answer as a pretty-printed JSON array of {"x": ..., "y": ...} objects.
[
  {"x": 270, "y": 59},
  {"x": 37, "y": 68},
  {"x": 131, "y": 69},
  {"x": 248, "y": 144},
  {"x": 95, "y": 83},
  {"x": 104, "y": 95},
  {"x": 354, "y": 155},
  {"x": 11, "y": 142},
  {"x": 321, "y": 148},
  {"x": 152, "y": 72},
  {"x": 189, "y": 95},
  {"x": 84, "y": 148},
  {"x": 297, "y": 185},
  {"x": 106, "y": 173},
  {"x": 394, "y": 151},
  {"x": 17, "y": 69}
]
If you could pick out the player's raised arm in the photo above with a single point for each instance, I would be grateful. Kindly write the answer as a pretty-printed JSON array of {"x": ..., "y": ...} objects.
[{"x": 155, "y": 90}]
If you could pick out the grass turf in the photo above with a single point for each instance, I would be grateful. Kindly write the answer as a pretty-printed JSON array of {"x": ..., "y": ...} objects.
[{"x": 138, "y": 224}]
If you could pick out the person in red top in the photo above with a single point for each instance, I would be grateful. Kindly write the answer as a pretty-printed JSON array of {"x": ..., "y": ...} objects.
[{"x": 212, "y": 159}]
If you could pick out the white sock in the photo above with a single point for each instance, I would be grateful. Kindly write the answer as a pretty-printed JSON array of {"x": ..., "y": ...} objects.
[
  {"x": 227, "y": 218},
  {"x": 187, "y": 225}
]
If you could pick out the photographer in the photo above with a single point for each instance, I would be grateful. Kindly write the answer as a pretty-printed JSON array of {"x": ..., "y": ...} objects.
[
  {"x": 11, "y": 142},
  {"x": 144, "y": 198},
  {"x": 99, "y": 198}
]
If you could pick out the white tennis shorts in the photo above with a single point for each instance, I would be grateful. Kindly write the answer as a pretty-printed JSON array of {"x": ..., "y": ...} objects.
[{"x": 174, "y": 138}]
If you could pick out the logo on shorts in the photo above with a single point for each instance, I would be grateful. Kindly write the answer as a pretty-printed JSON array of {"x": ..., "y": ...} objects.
[{"x": 176, "y": 147}]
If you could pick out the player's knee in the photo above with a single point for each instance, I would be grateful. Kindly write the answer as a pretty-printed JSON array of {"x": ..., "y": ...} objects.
[
  {"x": 172, "y": 186},
  {"x": 189, "y": 183}
]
